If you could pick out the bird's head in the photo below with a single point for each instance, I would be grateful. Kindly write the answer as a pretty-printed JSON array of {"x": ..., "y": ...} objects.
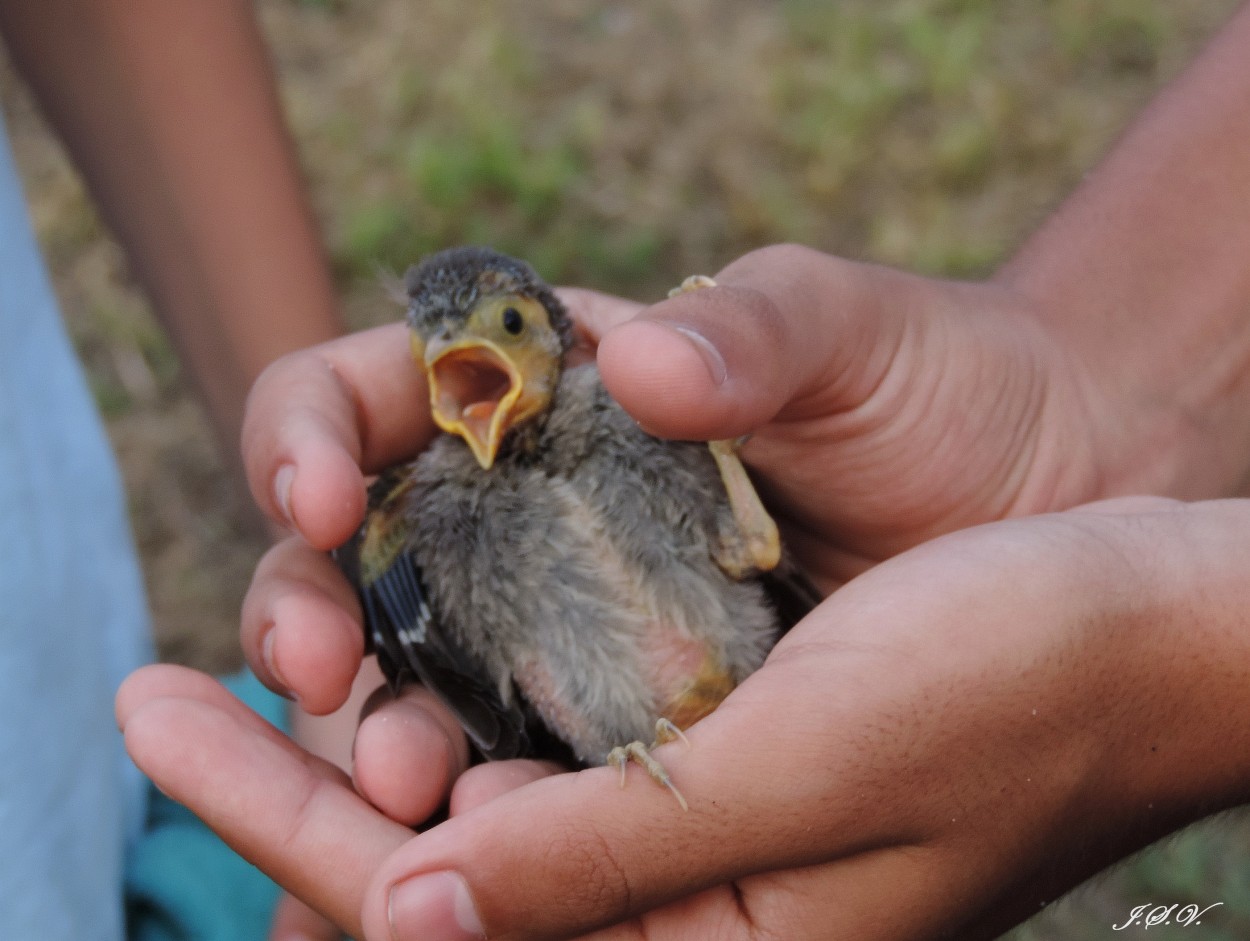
[{"x": 491, "y": 337}]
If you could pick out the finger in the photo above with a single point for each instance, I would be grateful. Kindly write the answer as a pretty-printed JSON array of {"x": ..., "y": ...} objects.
[
  {"x": 301, "y": 626},
  {"x": 721, "y": 361},
  {"x": 897, "y": 892},
  {"x": 868, "y": 896},
  {"x": 484, "y": 783},
  {"x": 783, "y": 324},
  {"x": 318, "y": 418},
  {"x": 408, "y": 752},
  {"x": 608, "y": 853},
  {"x": 287, "y": 813},
  {"x": 295, "y": 921},
  {"x": 333, "y": 736},
  {"x": 165, "y": 680}
]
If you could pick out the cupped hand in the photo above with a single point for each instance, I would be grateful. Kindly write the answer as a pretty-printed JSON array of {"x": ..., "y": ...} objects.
[
  {"x": 949, "y": 740},
  {"x": 885, "y": 409}
]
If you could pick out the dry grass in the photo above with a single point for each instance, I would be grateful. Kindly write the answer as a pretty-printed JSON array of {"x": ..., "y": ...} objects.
[{"x": 625, "y": 146}]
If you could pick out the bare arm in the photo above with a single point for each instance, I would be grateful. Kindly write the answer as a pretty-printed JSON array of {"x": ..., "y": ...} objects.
[
  {"x": 170, "y": 111},
  {"x": 1144, "y": 274}
]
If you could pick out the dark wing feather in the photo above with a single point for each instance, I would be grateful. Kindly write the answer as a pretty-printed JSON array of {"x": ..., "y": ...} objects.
[
  {"x": 792, "y": 593},
  {"x": 402, "y": 629}
]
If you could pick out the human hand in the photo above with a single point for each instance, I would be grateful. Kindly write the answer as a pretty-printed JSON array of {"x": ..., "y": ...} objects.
[
  {"x": 866, "y": 442},
  {"x": 847, "y": 392},
  {"x": 885, "y": 409},
  {"x": 950, "y": 739}
]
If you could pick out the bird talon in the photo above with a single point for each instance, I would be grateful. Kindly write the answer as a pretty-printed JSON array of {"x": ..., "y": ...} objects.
[
  {"x": 666, "y": 731},
  {"x": 693, "y": 283},
  {"x": 638, "y": 753},
  {"x": 619, "y": 758},
  {"x": 681, "y": 800}
]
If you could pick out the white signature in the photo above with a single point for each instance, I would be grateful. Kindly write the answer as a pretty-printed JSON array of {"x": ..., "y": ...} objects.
[{"x": 1151, "y": 916}]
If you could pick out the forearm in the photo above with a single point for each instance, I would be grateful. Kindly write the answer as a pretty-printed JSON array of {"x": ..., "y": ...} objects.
[
  {"x": 170, "y": 111},
  {"x": 1144, "y": 275}
]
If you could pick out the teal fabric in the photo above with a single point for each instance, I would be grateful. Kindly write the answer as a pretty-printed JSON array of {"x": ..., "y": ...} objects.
[{"x": 182, "y": 882}]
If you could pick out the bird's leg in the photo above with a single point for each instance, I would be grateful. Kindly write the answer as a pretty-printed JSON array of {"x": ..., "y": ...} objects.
[
  {"x": 640, "y": 754},
  {"x": 758, "y": 546}
]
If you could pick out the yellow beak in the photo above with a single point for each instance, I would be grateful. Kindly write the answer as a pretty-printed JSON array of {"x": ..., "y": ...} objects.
[{"x": 474, "y": 389}]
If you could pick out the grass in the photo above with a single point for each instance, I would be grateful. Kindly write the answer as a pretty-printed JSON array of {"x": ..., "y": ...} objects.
[
  {"x": 622, "y": 147},
  {"x": 625, "y": 146}
]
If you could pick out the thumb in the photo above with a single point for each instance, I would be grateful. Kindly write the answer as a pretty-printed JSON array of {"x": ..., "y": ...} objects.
[{"x": 786, "y": 331}]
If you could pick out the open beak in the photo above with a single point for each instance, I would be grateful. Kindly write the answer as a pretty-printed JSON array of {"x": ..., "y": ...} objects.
[{"x": 474, "y": 388}]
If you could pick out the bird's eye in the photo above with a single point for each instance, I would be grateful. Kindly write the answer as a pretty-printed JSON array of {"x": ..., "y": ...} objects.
[{"x": 513, "y": 322}]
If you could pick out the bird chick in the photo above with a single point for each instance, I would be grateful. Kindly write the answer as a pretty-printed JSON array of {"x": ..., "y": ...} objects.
[{"x": 569, "y": 585}]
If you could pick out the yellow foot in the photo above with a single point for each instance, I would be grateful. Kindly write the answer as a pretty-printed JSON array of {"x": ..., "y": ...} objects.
[{"x": 640, "y": 754}]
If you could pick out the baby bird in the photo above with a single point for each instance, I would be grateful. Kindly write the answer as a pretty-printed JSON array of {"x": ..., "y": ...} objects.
[{"x": 570, "y": 586}]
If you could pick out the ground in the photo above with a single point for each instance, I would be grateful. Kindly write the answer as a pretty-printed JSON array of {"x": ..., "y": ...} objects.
[{"x": 624, "y": 146}]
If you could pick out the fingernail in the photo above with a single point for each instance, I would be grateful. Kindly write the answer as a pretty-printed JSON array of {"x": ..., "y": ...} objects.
[
  {"x": 271, "y": 663},
  {"x": 433, "y": 907},
  {"x": 282, "y": 481},
  {"x": 712, "y": 359}
]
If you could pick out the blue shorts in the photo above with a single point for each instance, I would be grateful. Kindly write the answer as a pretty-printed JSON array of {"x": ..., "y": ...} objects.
[{"x": 77, "y": 819}]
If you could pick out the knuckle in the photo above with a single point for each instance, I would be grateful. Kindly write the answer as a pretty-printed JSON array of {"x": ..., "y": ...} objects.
[{"x": 597, "y": 881}]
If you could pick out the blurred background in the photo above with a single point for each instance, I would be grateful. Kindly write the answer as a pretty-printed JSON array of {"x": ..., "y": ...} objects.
[{"x": 624, "y": 146}]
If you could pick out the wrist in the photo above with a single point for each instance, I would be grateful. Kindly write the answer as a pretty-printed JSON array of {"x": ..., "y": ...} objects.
[
  {"x": 1140, "y": 275},
  {"x": 1172, "y": 692},
  {"x": 1155, "y": 415}
]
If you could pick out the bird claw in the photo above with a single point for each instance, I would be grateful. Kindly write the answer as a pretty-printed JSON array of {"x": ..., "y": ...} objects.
[
  {"x": 666, "y": 731},
  {"x": 692, "y": 283},
  {"x": 640, "y": 754}
]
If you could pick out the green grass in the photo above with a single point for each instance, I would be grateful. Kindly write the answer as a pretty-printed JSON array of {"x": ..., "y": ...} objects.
[
  {"x": 130, "y": 360},
  {"x": 878, "y": 130}
]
